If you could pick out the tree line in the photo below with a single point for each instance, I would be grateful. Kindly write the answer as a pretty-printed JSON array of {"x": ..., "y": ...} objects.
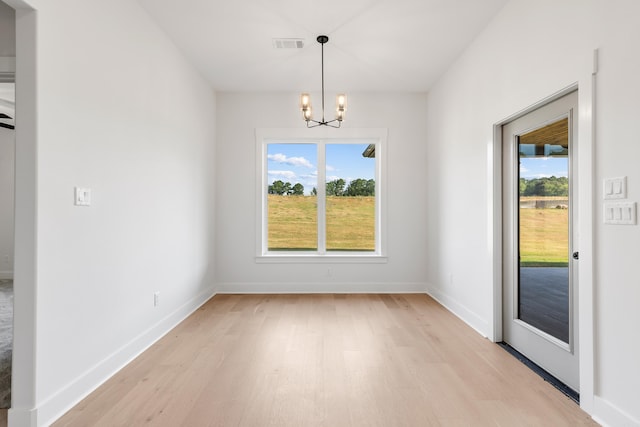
[
  {"x": 337, "y": 187},
  {"x": 549, "y": 186},
  {"x": 286, "y": 189}
]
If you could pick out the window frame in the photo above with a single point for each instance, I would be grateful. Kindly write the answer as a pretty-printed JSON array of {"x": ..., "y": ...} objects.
[{"x": 321, "y": 137}]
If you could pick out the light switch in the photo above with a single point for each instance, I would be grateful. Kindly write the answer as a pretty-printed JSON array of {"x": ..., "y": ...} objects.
[
  {"x": 615, "y": 188},
  {"x": 620, "y": 213},
  {"x": 82, "y": 196}
]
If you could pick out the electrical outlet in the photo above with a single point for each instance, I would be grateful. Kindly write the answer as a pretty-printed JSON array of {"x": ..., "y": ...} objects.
[{"x": 156, "y": 299}]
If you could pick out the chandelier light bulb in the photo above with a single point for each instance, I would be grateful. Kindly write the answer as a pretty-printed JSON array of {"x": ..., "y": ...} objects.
[
  {"x": 305, "y": 100},
  {"x": 341, "y": 106},
  {"x": 307, "y": 113},
  {"x": 305, "y": 106}
]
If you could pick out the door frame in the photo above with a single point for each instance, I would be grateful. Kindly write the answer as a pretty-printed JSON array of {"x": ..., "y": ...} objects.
[
  {"x": 24, "y": 380},
  {"x": 559, "y": 356},
  {"x": 585, "y": 159}
]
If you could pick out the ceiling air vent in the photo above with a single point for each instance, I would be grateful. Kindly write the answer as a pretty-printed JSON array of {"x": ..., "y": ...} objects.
[{"x": 288, "y": 43}]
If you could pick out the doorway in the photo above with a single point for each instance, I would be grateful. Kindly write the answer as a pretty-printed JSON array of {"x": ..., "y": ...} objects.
[{"x": 539, "y": 210}]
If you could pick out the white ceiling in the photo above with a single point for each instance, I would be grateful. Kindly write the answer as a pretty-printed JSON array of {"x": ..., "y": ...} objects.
[{"x": 374, "y": 45}]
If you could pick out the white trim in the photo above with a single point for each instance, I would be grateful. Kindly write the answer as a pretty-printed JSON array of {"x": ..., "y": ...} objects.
[
  {"x": 26, "y": 417},
  {"x": 586, "y": 176},
  {"x": 25, "y": 265},
  {"x": 471, "y": 318},
  {"x": 321, "y": 288},
  {"x": 497, "y": 216},
  {"x": 496, "y": 330},
  {"x": 348, "y": 258},
  {"x": 321, "y": 199},
  {"x": 607, "y": 414},
  {"x": 320, "y": 135},
  {"x": 56, "y": 405}
]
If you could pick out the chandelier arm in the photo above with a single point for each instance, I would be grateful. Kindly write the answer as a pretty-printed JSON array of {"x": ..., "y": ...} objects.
[{"x": 323, "y": 123}]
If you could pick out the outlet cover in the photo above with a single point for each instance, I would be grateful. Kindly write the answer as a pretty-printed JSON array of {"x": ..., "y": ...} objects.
[
  {"x": 620, "y": 213},
  {"x": 82, "y": 196}
]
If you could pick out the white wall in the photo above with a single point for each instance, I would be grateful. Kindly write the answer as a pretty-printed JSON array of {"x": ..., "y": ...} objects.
[
  {"x": 7, "y": 30},
  {"x": 121, "y": 112},
  {"x": 7, "y": 152},
  {"x": 236, "y": 269},
  {"x": 530, "y": 51}
]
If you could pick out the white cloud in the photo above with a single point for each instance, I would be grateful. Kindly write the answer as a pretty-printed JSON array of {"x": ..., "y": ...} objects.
[
  {"x": 293, "y": 161},
  {"x": 330, "y": 168},
  {"x": 289, "y": 175}
]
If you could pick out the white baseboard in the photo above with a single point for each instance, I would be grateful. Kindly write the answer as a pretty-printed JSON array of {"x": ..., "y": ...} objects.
[
  {"x": 58, "y": 404},
  {"x": 6, "y": 274},
  {"x": 468, "y": 316},
  {"x": 320, "y": 288},
  {"x": 22, "y": 417},
  {"x": 608, "y": 415}
]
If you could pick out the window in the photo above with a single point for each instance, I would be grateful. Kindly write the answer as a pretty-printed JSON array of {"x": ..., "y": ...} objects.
[{"x": 320, "y": 198}]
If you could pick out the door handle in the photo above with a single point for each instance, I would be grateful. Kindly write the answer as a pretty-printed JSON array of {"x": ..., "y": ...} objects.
[{"x": 576, "y": 255}]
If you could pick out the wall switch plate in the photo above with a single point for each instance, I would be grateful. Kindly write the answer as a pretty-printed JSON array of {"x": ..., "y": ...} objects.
[
  {"x": 82, "y": 196},
  {"x": 615, "y": 188},
  {"x": 620, "y": 213}
]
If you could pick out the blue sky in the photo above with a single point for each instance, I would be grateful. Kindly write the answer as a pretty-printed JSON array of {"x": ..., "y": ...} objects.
[
  {"x": 541, "y": 167},
  {"x": 299, "y": 163}
]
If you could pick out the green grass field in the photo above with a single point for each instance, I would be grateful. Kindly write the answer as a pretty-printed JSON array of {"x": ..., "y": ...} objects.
[
  {"x": 544, "y": 237},
  {"x": 293, "y": 223}
]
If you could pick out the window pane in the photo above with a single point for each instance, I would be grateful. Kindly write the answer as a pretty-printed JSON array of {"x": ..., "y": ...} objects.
[
  {"x": 291, "y": 200},
  {"x": 543, "y": 293},
  {"x": 351, "y": 206}
]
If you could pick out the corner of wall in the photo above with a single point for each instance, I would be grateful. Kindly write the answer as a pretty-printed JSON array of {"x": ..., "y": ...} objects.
[
  {"x": 58, "y": 404},
  {"x": 462, "y": 312}
]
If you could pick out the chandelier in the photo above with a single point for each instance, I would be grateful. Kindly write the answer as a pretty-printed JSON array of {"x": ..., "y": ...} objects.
[{"x": 305, "y": 100}]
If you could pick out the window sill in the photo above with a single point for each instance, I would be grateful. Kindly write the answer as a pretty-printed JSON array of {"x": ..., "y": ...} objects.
[{"x": 321, "y": 259}]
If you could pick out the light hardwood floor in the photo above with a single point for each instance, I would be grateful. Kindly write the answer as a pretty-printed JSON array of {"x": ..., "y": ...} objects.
[{"x": 325, "y": 360}]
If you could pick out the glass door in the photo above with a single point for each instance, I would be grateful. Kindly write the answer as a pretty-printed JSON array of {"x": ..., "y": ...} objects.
[{"x": 539, "y": 274}]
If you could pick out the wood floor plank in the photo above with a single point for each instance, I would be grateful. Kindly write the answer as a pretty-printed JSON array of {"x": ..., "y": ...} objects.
[{"x": 325, "y": 360}]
